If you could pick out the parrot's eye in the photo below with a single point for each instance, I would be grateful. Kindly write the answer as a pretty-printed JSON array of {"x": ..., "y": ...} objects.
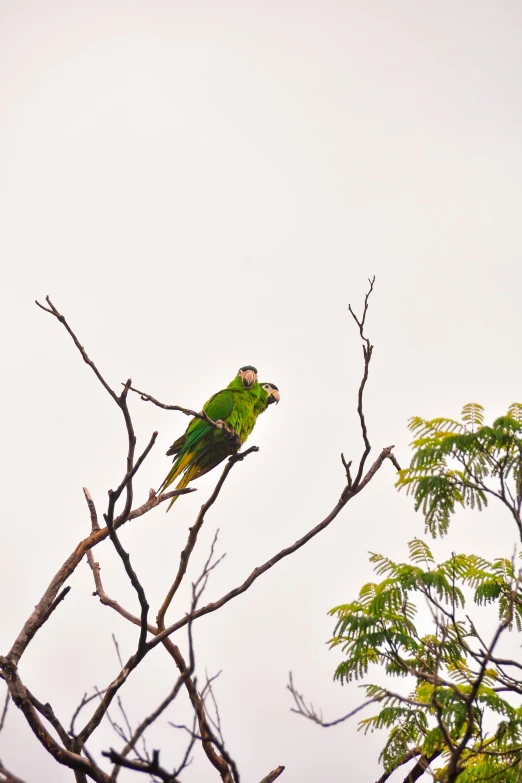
[{"x": 272, "y": 392}]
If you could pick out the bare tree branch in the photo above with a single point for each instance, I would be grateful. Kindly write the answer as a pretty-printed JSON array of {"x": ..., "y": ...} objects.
[
  {"x": 185, "y": 675},
  {"x": 85, "y": 700},
  {"x": 148, "y": 721},
  {"x": 47, "y": 711},
  {"x": 8, "y": 777},
  {"x": 185, "y": 671},
  {"x": 92, "y": 510},
  {"x": 125, "y": 557},
  {"x": 187, "y": 411},
  {"x": 187, "y": 760},
  {"x": 421, "y": 766},
  {"x": 222, "y": 763},
  {"x": 20, "y": 697},
  {"x": 4, "y": 711},
  {"x": 309, "y": 711},
  {"x": 454, "y": 768},
  {"x": 41, "y": 611},
  {"x": 108, "y": 695},
  {"x": 367, "y": 354},
  {"x": 273, "y": 775},
  {"x": 260, "y": 570},
  {"x": 106, "y": 601},
  {"x": 151, "y": 768},
  {"x": 53, "y": 311},
  {"x": 193, "y": 535}
]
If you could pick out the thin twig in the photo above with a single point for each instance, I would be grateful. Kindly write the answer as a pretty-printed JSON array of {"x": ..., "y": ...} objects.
[
  {"x": 85, "y": 700},
  {"x": 187, "y": 411},
  {"x": 309, "y": 711},
  {"x": 186, "y": 760},
  {"x": 193, "y": 535},
  {"x": 4, "y": 711},
  {"x": 92, "y": 510},
  {"x": 117, "y": 648},
  {"x": 273, "y": 775},
  {"x": 219, "y": 745},
  {"x": 53, "y": 311},
  {"x": 367, "y": 354},
  {"x": 148, "y": 721}
]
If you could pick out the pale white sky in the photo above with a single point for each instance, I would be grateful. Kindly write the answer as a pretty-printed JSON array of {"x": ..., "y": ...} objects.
[{"x": 203, "y": 185}]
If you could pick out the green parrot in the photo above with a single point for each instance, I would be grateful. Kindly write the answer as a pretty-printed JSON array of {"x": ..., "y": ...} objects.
[{"x": 202, "y": 446}]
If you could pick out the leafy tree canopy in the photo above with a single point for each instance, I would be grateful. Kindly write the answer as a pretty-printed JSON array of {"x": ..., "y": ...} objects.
[{"x": 463, "y": 715}]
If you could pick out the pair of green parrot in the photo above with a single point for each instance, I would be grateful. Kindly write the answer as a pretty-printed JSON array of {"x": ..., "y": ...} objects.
[{"x": 203, "y": 446}]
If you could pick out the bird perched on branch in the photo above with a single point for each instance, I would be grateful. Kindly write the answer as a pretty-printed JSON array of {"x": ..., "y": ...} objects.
[{"x": 235, "y": 411}]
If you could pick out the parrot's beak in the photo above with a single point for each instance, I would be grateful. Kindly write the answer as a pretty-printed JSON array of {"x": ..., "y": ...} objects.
[
  {"x": 274, "y": 396},
  {"x": 249, "y": 378}
]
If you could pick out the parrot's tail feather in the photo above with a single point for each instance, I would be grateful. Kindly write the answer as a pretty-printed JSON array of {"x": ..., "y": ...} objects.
[
  {"x": 185, "y": 461},
  {"x": 189, "y": 475},
  {"x": 166, "y": 482},
  {"x": 182, "y": 462},
  {"x": 177, "y": 446}
]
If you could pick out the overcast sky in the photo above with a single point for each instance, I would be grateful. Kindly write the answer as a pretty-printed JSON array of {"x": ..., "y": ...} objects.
[{"x": 201, "y": 185}]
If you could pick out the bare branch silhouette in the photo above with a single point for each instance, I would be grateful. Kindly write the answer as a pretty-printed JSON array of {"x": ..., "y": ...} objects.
[{"x": 69, "y": 748}]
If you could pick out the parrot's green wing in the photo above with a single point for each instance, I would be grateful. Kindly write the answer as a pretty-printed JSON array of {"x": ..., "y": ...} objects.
[
  {"x": 200, "y": 437},
  {"x": 218, "y": 407}
]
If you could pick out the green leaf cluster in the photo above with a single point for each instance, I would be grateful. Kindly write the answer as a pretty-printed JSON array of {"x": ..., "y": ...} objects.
[
  {"x": 458, "y": 688},
  {"x": 379, "y": 628},
  {"x": 463, "y": 462}
]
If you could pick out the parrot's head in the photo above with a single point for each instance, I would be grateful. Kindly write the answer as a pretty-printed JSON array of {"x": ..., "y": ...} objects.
[
  {"x": 248, "y": 375},
  {"x": 272, "y": 391}
]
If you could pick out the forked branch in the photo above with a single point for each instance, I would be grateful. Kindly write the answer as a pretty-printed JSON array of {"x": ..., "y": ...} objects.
[{"x": 367, "y": 354}]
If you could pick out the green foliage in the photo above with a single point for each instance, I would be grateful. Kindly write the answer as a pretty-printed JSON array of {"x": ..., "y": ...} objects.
[
  {"x": 453, "y": 461},
  {"x": 473, "y": 415},
  {"x": 515, "y": 412},
  {"x": 456, "y": 685},
  {"x": 379, "y": 628}
]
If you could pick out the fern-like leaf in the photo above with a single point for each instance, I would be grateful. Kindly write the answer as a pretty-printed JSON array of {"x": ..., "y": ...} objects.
[{"x": 473, "y": 415}]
